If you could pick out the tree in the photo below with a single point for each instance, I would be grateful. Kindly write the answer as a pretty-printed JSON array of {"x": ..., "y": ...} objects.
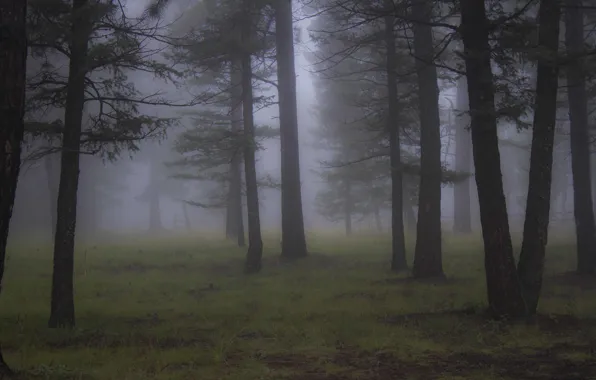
[
  {"x": 504, "y": 293},
  {"x": 428, "y": 254},
  {"x": 531, "y": 261},
  {"x": 255, "y": 242},
  {"x": 580, "y": 152},
  {"x": 398, "y": 245},
  {"x": 62, "y": 311},
  {"x": 462, "y": 219},
  {"x": 214, "y": 49},
  {"x": 97, "y": 80},
  {"x": 293, "y": 243},
  {"x": 13, "y": 64}
]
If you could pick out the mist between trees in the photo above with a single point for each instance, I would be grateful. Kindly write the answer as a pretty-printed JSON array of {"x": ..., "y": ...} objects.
[{"x": 257, "y": 118}]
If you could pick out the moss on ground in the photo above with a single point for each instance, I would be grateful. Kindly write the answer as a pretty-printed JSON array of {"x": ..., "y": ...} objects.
[{"x": 182, "y": 309}]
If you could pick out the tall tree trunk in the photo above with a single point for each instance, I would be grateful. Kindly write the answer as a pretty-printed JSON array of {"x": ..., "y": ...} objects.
[
  {"x": 580, "y": 151},
  {"x": 593, "y": 170},
  {"x": 398, "y": 242},
  {"x": 236, "y": 212},
  {"x": 13, "y": 57},
  {"x": 462, "y": 219},
  {"x": 62, "y": 306},
  {"x": 52, "y": 190},
  {"x": 348, "y": 208},
  {"x": 255, "y": 242},
  {"x": 531, "y": 262},
  {"x": 293, "y": 241},
  {"x": 428, "y": 257},
  {"x": 504, "y": 293}
]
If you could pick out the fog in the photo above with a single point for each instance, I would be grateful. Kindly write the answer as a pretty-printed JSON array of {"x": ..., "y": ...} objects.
[{"x": 111, "y": 191}]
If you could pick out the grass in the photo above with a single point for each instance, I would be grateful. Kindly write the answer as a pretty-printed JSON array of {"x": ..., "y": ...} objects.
[{"x": 180, "y": 308}]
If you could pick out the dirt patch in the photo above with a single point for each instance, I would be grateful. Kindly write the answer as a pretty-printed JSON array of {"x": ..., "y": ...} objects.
[
  {"x": 544, "y": 365},
  {"x": 384, "y": 366}
]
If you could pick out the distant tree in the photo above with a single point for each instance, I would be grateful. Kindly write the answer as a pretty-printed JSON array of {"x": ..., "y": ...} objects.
[
  {"x": 160, "y": 182},
  {"x": 13, "y": 57},
  {"x": 213, "y": 49}
]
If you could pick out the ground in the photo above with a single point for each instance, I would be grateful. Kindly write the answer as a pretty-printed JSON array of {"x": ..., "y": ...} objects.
[{"x": 180, "y": 308}]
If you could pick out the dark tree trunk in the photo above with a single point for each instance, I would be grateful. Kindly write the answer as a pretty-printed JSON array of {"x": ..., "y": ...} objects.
[
  {"x": 62, "y": 307},
  {"x": 236, "y": 212},
  {"x": 255, "y": 242},
  {"x": 13, "y": 57},
  {"x": 428, "y": 261},
  {"x": 292, "y": 218},
  {"x": 462, "y": 219},
  {"x": 348, "y": 208},
  {"x": 580, "y": 150},
  {"x": 531, "y": 261},
  {"x": 52, "y": 190},
  {"x": 504, "y": 293},
  {"x": 398, "y": 241}
]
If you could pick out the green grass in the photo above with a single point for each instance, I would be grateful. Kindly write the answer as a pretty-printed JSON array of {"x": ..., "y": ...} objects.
[{"x": 180, "y": 308}]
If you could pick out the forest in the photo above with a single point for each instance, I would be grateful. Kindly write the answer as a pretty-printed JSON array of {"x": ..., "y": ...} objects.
[{"x": 307, "y": 189}]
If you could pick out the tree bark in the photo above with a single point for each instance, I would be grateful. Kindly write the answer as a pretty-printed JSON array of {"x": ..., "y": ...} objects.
[
  {"x": 462, "y": 219},
  {"x": 398, "y": 241},
  {"x": 292, "y": 219},
  {"x": 13, "y": 57},
  {"x": 62, "y": 306},
  {"x": 428, "y": 257},
  {"x": 531, "y": 262},
  {"x": 504, "y": 293},
  {"x": 236, "y": 212},
  {"x": 585, "y": 229},
  {"x": 255, "y": 241}
]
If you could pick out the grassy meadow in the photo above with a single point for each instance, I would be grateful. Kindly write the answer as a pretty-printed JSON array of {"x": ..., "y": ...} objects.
[{"x": 180, "y": 308}]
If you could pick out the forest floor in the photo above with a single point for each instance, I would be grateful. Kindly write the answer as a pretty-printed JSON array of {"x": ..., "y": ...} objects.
[{"x": 182, "y": 309}]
